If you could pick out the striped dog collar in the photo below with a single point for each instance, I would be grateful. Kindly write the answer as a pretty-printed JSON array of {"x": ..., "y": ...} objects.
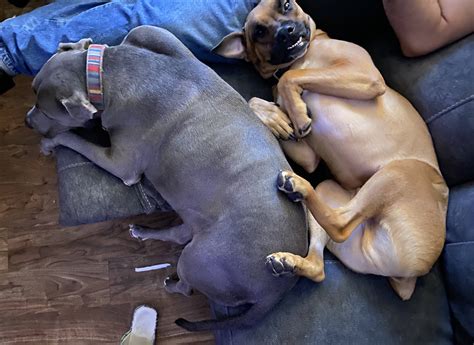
[{"x": 94, "y": 70}]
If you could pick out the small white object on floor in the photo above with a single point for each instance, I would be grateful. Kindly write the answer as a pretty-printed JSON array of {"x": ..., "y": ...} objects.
[
  {"x": 143, "y": 327},
  {"x": 152, "y": 267}
]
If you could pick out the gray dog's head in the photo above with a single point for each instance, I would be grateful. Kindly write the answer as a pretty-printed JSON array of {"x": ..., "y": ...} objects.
[{"x": 61, "y": 96}]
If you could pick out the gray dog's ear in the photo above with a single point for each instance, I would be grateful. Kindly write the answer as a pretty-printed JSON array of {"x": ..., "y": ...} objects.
[
  {"x": 79, "y": 106},
  {"x": 81, "y": 45},
  {"x": 232, "y": 46}
]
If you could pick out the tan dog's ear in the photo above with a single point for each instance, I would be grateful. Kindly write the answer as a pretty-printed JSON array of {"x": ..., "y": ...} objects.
[
  {"x": 81, "y": 45},
  {"x": 79, "y": 106},
  {"x": 232, "y": 46}
]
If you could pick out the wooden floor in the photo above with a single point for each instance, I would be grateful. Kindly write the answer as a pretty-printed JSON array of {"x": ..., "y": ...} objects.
[{"x": 72, "y": 285}]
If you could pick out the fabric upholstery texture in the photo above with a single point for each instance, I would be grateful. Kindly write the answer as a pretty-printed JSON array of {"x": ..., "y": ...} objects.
[
  {"x": 349, "y": 308},
  {"x": 459, "y": 261}
]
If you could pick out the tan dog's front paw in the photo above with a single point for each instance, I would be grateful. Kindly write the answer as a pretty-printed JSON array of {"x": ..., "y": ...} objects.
[
  {"x": 294, "y": 104},
  {"x": 273, "y": 117},
  {"x": 296, "y": 187}
]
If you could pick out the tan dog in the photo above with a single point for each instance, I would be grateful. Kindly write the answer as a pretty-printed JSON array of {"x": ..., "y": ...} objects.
[{"x": 385, "y": 212}]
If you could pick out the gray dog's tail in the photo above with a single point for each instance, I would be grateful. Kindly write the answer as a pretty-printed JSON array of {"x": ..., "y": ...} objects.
[{"x": 248, "y": 318}]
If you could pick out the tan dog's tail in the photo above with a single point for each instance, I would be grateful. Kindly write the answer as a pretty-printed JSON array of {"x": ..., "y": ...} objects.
[{"x": 248, "y": 318}]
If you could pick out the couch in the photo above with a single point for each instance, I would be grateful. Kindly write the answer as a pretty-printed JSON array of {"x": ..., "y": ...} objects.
[{"x": 347, "y": 308}]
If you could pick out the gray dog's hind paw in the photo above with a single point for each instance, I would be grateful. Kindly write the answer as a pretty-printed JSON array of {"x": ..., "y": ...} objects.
[
  {"x": 47, "y": 146},
  {"x": 286, "y": 184},
  {"x": 279, "y": 266}
]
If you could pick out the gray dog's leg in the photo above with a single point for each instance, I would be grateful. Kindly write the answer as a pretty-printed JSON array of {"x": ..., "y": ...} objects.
[
  {"x": 111, "y": 160},
  {"x": 180, "y": 234}
]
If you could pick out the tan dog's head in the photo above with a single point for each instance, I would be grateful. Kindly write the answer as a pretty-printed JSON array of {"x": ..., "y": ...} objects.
[{"x": 276, "y": 33}]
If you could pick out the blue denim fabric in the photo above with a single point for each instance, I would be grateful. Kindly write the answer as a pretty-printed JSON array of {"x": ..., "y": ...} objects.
[{"x": 27, "y": 41}]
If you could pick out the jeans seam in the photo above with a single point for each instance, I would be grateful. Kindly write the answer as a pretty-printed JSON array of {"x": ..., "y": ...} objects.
[
  {"x": 147, "y": 201},
  {"x": 100, "y": 6},
  {"x": 449, "y": 108},
  {"x": 73, "y": 165}
]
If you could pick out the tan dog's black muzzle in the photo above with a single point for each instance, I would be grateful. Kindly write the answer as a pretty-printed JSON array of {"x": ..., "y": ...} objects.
[{"x": 291, "y": 39}]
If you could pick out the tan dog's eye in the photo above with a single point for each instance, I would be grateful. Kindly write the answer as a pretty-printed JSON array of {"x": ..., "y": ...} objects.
[
  {"x": 259, "y": 32},
  {"x": 286, "y": 6}
]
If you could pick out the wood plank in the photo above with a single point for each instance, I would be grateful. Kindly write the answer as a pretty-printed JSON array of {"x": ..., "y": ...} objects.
[{"x": 147, "y": 288}]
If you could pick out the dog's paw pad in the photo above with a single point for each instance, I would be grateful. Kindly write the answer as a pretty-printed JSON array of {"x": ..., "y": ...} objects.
[
  {"x": 305, "y": 130},
  {"x": 296, "y": 197},
  {"x": 292, "y": 185},
  {"x": 285, "y": 182},
  {"x": 280, "y": 265}
]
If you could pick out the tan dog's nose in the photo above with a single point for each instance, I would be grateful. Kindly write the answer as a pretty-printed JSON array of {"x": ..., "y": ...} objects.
[{"x": 287, "y": 31}]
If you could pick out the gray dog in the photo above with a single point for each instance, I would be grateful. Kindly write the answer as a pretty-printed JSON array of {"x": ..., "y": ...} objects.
[{"x": 173, "y": 119}]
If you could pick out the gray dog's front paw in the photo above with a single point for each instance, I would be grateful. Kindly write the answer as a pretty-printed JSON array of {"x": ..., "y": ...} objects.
[
  {"x": 137, "y": 232},
  {"x": 47, "y": 146}
]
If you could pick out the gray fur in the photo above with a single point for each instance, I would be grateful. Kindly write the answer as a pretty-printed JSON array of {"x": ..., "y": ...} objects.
[{"x": 173, "y": 119}]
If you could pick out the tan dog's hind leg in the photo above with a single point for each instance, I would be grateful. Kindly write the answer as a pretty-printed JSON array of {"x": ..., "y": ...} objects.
[
  {"x": 312, "y": 266},
  {"x": 381, "y": 227},
  {"x": 338, "y": 222}
]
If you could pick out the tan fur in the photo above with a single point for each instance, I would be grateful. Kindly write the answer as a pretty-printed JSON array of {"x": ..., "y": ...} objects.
[{"x": 385, "y": 212}]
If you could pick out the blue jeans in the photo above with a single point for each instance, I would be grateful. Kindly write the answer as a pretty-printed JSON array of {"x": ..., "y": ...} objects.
[{"x": 29, "y": 40}]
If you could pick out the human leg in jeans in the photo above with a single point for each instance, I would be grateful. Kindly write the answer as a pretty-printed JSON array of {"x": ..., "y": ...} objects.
[{"x": 29, "y": 40}]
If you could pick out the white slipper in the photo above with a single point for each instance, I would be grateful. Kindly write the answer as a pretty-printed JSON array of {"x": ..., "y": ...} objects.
[{"x": 143, "y": 327}]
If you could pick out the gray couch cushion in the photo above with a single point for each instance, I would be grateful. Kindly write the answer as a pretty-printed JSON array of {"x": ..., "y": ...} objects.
[
  {"x": 88, "y": 194},
  {"x": 459, "y": 261},
  {"x": 350, "y": 308}
]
